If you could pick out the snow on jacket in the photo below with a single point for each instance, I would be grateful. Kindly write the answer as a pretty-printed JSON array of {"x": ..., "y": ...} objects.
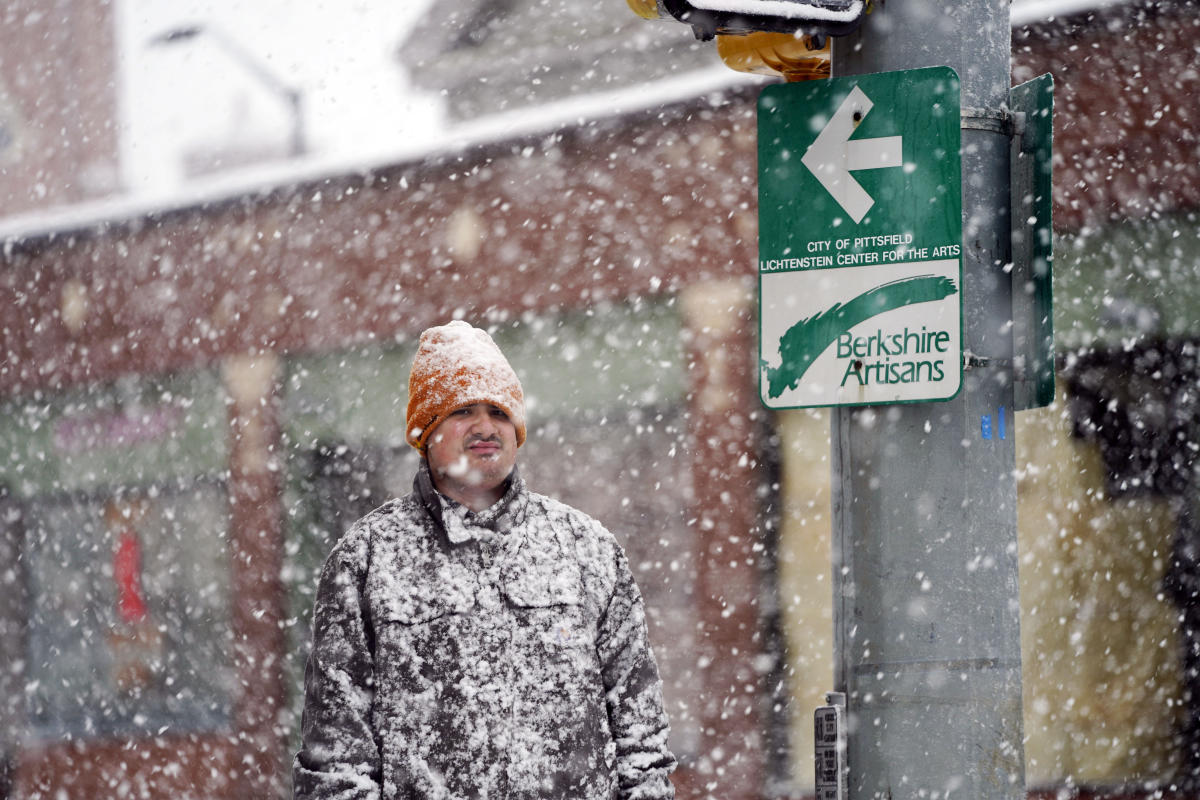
[{"x": 502, "y": 658}]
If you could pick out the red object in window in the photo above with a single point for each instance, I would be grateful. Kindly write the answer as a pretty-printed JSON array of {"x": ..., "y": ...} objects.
[{"x": 127, "y": 572}]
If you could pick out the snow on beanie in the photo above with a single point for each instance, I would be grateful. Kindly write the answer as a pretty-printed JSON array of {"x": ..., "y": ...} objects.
[{"x": 458, "y": 365}]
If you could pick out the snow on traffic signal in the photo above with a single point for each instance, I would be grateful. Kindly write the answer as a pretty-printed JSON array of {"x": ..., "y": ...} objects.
[{"x": 711, "y": 17}]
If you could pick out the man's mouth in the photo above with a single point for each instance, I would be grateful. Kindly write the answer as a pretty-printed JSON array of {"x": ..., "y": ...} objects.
[{"x": 484, "y": 447}]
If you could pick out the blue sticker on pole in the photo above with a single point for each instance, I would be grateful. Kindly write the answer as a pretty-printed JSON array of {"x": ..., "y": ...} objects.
[{"x": 985, "y": 425}]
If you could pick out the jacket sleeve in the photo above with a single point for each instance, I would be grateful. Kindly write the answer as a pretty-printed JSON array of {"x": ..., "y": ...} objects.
[
  {"x": 633, "y": 693},
  {"x": 339, "y": 755}
]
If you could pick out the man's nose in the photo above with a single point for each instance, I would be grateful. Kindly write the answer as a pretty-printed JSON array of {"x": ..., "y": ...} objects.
[{"x": 484, "y": 421}]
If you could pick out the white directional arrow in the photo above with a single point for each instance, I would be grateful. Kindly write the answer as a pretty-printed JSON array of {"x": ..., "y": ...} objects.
[{"x": 833, "y": 156}]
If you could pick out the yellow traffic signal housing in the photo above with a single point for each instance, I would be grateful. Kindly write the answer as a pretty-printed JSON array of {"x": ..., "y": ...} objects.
[
  {"x": 646, "y": 9},
  {"x": 794, "y": 58}
]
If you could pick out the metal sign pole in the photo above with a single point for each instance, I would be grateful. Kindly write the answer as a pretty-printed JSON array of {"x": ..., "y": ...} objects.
[{"x": 925, "y": 536}]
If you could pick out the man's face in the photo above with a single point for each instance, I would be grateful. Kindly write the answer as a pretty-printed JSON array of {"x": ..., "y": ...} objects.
[{"x": 472, "y": 451}]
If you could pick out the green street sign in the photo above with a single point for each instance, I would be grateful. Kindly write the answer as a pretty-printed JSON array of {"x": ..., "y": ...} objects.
[{"x": 860, "y": 240}]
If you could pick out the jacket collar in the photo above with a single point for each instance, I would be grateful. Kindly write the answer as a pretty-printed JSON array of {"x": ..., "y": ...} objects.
[{"x": 508, "y": 511}]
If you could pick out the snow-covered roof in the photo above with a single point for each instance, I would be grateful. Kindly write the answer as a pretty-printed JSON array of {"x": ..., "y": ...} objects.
[
  {"x": 266, "y": 179},
  {"x": 485, "y": 56}
]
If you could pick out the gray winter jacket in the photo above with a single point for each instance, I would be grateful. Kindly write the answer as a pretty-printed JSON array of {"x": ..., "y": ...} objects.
[{"x": 503, "y": 661}]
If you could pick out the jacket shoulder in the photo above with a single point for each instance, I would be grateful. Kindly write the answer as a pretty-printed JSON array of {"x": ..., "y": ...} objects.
[
  {"x": 392, "y": 517},
  {"x": 564, "y": 517},
  {"x": 384, "y": 523},
  {"x": 589, "y": 542}
]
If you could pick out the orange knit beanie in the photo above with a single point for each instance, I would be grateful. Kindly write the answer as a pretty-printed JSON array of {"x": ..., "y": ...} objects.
[{"x": 458, "y": 365}]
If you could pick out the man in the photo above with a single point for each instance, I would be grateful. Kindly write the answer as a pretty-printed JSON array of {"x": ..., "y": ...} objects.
[{"x": 474, "y": 639}]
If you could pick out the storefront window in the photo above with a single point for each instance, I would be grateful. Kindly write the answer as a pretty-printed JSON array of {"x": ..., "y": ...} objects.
[{"x": 122, "y": 519}]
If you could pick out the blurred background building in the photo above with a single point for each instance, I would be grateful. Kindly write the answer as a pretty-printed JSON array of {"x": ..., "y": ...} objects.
[
  {"x": 58, "y": 105},
  {"x": 199, "y": 395}
]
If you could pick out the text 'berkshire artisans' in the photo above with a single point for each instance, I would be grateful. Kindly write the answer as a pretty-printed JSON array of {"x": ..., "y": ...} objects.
[{"x": 883, "y": 347}]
